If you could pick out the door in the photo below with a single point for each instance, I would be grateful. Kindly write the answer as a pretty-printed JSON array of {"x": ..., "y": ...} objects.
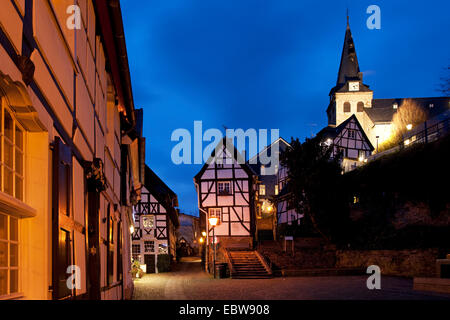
[
  {"x": 149, "y": 260},
  {"x": 62, "y": 220}
]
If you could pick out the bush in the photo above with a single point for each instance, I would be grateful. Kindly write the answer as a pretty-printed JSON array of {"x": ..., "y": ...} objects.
[{"x": 163, "y": 263}]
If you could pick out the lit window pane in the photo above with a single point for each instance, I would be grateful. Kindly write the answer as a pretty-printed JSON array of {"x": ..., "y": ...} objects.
[
  {"x": 19, "y": 138},
  {"x": 3, "y": 254},
  {"x": 14, "y": 281},
  {"x": 8, "y": 181},
  {"x": 19, "y": 188},
  {"x": 8, "y": 154},
  {"x": 8, "y": 125},
  {"x": 14, "y": 255},
  {"x": 3, "y": 282},
  {"x": 13, "y": 229},
  {"x": 19, "y": 162},
  {"x": 3, "y": 227}
]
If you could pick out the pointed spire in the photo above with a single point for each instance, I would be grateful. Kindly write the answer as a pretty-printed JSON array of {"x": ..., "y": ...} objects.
[{"x": 349, "y": 67}]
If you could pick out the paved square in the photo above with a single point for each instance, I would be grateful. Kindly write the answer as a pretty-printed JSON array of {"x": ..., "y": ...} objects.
[{"x": 189, "y": 282}]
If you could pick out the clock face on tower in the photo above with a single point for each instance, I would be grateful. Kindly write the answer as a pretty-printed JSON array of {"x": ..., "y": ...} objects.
[{"x": 353, "y": 86}]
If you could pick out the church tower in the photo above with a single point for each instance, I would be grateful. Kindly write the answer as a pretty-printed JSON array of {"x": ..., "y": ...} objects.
[{"x": 350, "y": 96}]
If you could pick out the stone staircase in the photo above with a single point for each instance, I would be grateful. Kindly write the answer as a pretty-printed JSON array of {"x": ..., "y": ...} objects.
[{"x": 247, "y": 264}]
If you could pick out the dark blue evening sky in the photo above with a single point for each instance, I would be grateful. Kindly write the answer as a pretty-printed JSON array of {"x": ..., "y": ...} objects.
[{"x": 268, "y": 64}]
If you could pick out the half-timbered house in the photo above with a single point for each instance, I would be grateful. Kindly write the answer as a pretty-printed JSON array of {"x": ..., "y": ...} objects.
[
  {"x": 287, "y": 214},
  {"x": 267, "y": 189},
  {"x": 155, "y": 222},
  {"x": 226, "y": 188},
  {"x": 349, "y": 141},
  {"x": 70, "y": 152}
]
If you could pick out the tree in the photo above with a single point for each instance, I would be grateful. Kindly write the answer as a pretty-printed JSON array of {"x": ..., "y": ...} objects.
[
  {"x": 408, "y": 114},
  {"x": 315, "y": 185}
]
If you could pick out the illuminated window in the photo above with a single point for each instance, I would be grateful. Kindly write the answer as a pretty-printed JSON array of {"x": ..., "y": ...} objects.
[
  {"x": 224, "y": 187},
  {"x": 148, "y": 222},
  {"x": 263, "y": 170},
  {"x": 9, "y": 255},
  {"x": 276, "y": 190},
  {"x": 12, "y": 155},
  {"x": 262, "y": 190},
  {"x": 163, "y": 249}
]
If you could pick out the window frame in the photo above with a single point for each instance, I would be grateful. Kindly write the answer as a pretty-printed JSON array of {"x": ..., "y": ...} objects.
[
  {"x": 360, "y": 107},
  {"x": 144, "y": 217},
  {"x": 16, "y": 149},
  {"x": 223, "y": 191},
  {"x": 262, "y": 190},
  {"x": 149, "y": 242},
  {"x": 347, "y": 106},
  {"x": 9, "y": 267}
]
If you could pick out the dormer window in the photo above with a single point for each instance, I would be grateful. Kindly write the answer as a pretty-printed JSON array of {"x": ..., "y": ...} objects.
[
  {"x": 395, "y": 106},
  {"x": 224, "y": 188}
]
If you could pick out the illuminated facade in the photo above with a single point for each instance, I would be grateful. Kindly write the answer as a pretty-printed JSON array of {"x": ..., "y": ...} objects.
[
  {"x": 71, "y": 152},
  {"x": 352, "y": 97}
]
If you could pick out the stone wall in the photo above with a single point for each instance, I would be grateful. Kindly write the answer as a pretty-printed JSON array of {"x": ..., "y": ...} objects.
[{"x": 407, "y": 263}]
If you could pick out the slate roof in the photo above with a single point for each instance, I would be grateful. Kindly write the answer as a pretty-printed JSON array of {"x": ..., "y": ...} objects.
[
  {"x": 349, "y": 66},
  {"x": 162, "y": 193},
  {"x": 382, "y": 109}
]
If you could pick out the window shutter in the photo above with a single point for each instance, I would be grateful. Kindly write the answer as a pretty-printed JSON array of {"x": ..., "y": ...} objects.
[{"x": 61, "y": 213}]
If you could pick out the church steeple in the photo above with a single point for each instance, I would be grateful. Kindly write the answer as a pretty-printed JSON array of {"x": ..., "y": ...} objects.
[{"x": 349, "y": 68}]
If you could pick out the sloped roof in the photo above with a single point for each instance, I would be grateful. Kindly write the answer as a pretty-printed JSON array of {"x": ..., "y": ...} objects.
[
  {"x": 236, "y": 155},
  {"x": 162, "y": 193},
  {"x": 283, "y": 144},
  {"x": 382, "y": 109},
  {"x": 332, "y": 132}
]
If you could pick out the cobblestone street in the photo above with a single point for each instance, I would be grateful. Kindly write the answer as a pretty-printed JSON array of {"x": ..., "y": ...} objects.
[{"x": 188, "y": 282}]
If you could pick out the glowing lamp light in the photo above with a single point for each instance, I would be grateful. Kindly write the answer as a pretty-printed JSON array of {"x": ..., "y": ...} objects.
[
  {"x": 409, "y": 127},
  {"x": 361, "y": 159},
  {"x": 407, "y": 142},
  {"x": 132, "y": 229},
  {"x": 201, "y": 240},
  {"x": 269, "y": 208},
  {"x": 204, "y": 233},
  {"x": 213, "y": 221}
]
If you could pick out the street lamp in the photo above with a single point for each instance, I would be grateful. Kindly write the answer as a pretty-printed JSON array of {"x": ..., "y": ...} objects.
[
  {"x": 204, "y": 233},
  {"x": 409, "y": 127},
  {"x": 213, "y": 222},
  {"x": 378, "y": 137}
]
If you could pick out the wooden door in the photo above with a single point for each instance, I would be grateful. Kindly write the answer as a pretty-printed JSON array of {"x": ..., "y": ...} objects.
[
  {"x": 149, "y": 260},
  {"x": 62, "y": 220}
]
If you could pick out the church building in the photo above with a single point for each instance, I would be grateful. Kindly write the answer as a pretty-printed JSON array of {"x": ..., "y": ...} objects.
[{"x": 370, "y": 121}]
